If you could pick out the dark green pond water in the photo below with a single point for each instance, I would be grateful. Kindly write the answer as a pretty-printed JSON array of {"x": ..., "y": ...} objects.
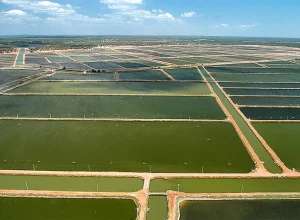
[
  {"x": 269, "y": 92},
  {"x": 226, "y": 185},
  {"x": 143, "y": 75},
  {"x": 257, "y": 78},
  {"x": 260, "y": 85},
  {"x": 81, "y": 76},
  {"x": 158, "y": 208},
  {"x": 61, "y": 183},
  {"x": 279, "y": 70},
  {"x": 133, "y": 107},
  {"x": 122, "y": 146},
  {"x": 8, "y": 75},
  {"x": 67, "y": 209},
  {"x": 253, "y": 140},
  {"x": 243, "y": 209},
  {"x": 284, "y": 139},
  {"x": 271, "y": 101},
  {"x": 185, "y": 74},
  {"x": 167, "y": 88},
  {"x": 272, "y": 113}
]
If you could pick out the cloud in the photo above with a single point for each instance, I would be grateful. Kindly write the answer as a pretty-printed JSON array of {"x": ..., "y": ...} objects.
[
  {"x": 122, "y": 11},
  {"x": 56, "y": 12},
  {"x": 127, "y": 11},
  {"x": 188, "y": 14},
  {"x": 16, "y": 16},
  {"x": 222, "y": 25},
  {"x": 121, "y": 4},
  {"x": 47, "y": 7},
  {"x": 16, "y": 12},
  {"x": 144, "y": 14},
  {"x": 121, "y": 1},
  {"x": 246, "y": 26}
]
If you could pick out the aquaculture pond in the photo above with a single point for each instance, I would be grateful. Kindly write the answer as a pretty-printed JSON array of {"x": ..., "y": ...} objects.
[
  {"x": 83, "y": 58},
  {"x": 102, "y": 65},
  {"x": 131, "y": 65},
  {"x": 259, "y": 85},
  {"x": 66, "y": 209},
  {"x": 183, "y": 147},
  {"x": 9, "y": 60},
  {"x": 115, "y": 88},
  {"x": 267, "y": 101},
  {"x": 173, "y": 61},
  {"x": 256, "y": 78},
  {"x": 149, "y": 63},
  {"x": 185, "y": 74},
  {"x": 284, "y": 139},
  {"x": 132, "y": 107},
  {"x": 63, "y": 183},
  {"x": 36, "y": 60},
  {"x": 240, "y": 209},
  {"x": 63, "y": 75},
  {"x": 264, "y": 92},
  {"x": 271, "y": 113},
  {"x": 226, "y": 185},
  {"x": 242, "y": 65},
  {"x": 143, "y": 75},
  {"x": 253, "y": 140},
  {"x": 74, "y": 65},
  {"x": 9, "y": 75},
  {"x": 282, "y": 70},
  {"x": 59, "y": 59},
  {"x": 158, "y": 208}
]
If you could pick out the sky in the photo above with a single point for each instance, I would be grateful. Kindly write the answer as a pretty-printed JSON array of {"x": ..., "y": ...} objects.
[{"x": 251, "y": 18}]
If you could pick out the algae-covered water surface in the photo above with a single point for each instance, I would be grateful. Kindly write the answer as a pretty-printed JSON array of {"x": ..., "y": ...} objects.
[
  {"x": 66, "y": 209},
  {"x": 122, "y": 146},
  {"x": 132, "y": 107},
  {"x": 226, "y": 185},
  {"x": 284, "y": 139},
  {"x": 166, "y": 88},
  {"x": 240, "y": 209},
  {"x": 63, "y": 183}
]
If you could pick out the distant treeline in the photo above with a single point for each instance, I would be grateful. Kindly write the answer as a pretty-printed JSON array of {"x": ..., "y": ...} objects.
[{"x": 85, "y": 42}]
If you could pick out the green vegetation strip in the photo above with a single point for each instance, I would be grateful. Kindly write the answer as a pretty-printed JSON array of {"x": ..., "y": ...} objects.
[
  {"x": 253, "y": 140},
  {"x": 154, "y": 88},
  {"x": 20, "y": 57},
  {"x": 243, "y": 209},
  {"x": 158, "y": 208},
  {"x": 284, "y": 139},
  {"x": 67, "y": 209},
  {"x": 80, "y": 184},
  {"x": 183, "y": 147},
  {"x": 225, "y": 185},
  {"x": 128, "y": 107}
]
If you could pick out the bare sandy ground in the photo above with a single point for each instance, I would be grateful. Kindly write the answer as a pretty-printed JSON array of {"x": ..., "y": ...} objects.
[{"x": 151, "y": 176}]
